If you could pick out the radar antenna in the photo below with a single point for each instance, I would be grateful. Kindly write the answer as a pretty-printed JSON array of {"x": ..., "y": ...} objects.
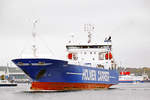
[{"x": 89, "y": 28}]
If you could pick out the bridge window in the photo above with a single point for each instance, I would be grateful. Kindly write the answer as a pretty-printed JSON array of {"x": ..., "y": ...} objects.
[
  {"x": 87, "y": 46},
  {"x": 101, "y": 56}
]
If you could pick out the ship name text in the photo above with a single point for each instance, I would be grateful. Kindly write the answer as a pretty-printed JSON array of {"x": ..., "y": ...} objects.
[{"x": 93, "y": 75}]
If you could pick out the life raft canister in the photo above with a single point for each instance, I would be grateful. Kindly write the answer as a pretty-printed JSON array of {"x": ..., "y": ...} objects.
[
  {"x": 127, "y": 73},
  {"x": 124, "y": 73},
  {"x": 108, "y": 56},
  {"x": 121, "y": 73},
  {"x": 70, "y": 56}
]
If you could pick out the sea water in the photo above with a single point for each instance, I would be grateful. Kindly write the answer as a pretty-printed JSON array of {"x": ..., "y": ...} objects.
[{"x": 127, "y": 91}]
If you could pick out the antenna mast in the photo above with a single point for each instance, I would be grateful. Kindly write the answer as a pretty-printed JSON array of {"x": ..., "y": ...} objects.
[
  {"x": 89, "y": 29},
  {"x": 34, "y": 48}
]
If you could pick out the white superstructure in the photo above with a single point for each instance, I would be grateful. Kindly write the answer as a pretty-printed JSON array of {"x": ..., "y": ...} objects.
[{"x": 91, "y": 54}]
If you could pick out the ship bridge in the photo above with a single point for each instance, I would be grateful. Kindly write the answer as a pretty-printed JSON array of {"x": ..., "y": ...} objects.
[
  {"x": 104, "y": 46},
  {"x": 90, "y": 55}
]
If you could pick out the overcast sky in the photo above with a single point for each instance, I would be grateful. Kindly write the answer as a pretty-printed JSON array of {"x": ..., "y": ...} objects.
[{"x": 127, "y": 21}]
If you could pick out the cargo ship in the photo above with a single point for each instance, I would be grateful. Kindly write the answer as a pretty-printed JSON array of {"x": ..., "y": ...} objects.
[{"x": 88, "y": 66}]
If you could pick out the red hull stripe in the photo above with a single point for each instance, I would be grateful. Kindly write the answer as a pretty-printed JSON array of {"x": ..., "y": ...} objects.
[{"x": 67, "y": 86}]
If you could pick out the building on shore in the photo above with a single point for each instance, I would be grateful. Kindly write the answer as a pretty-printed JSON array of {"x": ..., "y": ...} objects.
[{"x": 14, "y": 74}]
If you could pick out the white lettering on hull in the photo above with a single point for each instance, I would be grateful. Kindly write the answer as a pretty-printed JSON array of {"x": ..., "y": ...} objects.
[
  {"x": 103, "y": 76},
  {"x": 89, "y": 75},
  {"x": 92, "y": 75}
]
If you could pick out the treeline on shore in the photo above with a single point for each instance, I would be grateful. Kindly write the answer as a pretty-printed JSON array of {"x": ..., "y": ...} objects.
[{"x": 136, "y": 71}]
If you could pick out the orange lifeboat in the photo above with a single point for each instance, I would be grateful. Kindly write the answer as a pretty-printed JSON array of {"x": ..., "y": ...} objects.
[
  {"x": 124, "y": 73},
  {"x": 108, "y": 56},
  {"x": 70, "y": 56}
]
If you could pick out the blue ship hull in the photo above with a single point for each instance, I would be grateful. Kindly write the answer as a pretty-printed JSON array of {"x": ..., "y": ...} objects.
[{"x": 46, "y": 73}]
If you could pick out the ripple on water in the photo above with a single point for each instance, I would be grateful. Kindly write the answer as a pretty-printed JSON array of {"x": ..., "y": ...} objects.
[{"x": 139, "y": 91}]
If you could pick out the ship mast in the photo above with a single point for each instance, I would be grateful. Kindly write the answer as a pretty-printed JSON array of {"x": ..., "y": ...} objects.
[
  {"x": 34, "y": 48},
  {"x": 89, "y": 29}
]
